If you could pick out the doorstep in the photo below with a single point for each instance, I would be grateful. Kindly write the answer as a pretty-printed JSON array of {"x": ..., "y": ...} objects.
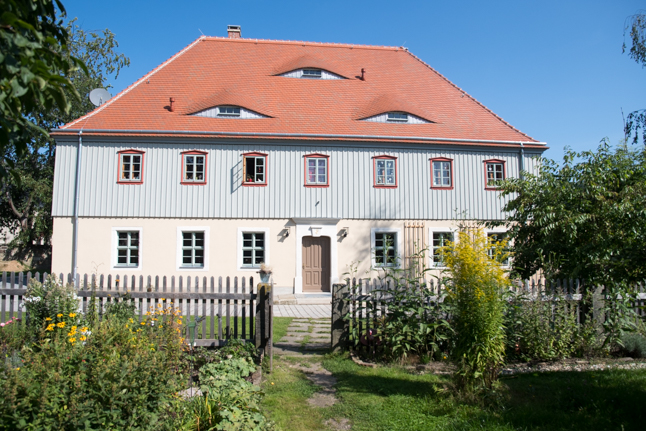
[{"x": 304, "y": 299}]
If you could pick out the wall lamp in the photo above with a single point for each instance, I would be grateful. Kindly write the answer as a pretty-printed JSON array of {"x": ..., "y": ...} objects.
[{"x": 345, "y": 232}]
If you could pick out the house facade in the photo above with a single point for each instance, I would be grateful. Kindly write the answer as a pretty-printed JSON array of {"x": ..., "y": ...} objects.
[{"x": 308, "y": 157}]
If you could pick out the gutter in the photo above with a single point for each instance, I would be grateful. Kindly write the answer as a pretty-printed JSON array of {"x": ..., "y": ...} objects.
[
  {"x": 299, "y": 135},
  {"x": 77, "y": 188}
]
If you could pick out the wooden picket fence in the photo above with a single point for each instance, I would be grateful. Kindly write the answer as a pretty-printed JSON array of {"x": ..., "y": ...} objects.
[
  {"x": 360, "y": 301},
  {"x": 231, "y": 307}
]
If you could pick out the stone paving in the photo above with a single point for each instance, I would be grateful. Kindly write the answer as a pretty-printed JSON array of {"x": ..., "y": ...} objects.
[
  {"x": 312, "y": 311},
  {"x": 305, "y": 336}
]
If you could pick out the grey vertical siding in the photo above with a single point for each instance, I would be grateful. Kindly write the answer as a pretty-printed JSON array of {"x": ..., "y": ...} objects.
[{"x": 351, "y": 194}]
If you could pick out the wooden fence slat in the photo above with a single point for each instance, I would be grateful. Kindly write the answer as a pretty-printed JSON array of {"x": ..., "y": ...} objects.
[
  {"x": 235, "y": 308},
  {"x": 228, "y": 329},
  {"x": 204, "y": 305},
  {"x": 252, "y": 326},
  {"x": 220, "y": 309},
  {"x": 212, "y": 308},
  {"x": 244, "y": 309}
]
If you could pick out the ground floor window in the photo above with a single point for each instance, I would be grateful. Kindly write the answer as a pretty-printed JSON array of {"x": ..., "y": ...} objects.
[
  {"x": 440, "y": 239},
  {"x": 128, "y": 249},
  {"x": 495, "y": 238},
  {"x": 193, "y": 249},
  {"x": 385, "y": 249},
  {"x": 253, "y": 249}
]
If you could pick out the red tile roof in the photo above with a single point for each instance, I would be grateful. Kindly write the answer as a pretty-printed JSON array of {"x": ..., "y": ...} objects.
[{"x": 215, "y": 71}]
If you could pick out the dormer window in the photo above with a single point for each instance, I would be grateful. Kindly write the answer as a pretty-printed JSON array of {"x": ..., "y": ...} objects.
[
  {"x": 312, "y": 73},
  {"x": 397, "y": 117},
  {"x": 228, "y": 111}
]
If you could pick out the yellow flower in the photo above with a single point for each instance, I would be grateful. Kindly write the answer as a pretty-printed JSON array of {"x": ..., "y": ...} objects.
[
  {"x": 163, "y": 299},
  {"x": 72, "y": 315},
  {"x": 61, "y": 324},
  {"x": 50, "y": 327},
  {"x": 72, "y": 340},
  {"x": 84, "y": 329},
  {"x": 59, "y": 315},
  {"x": 18, "y": 369},
  {"x": 143, "y": 323},
  {"x": 48, "y": 318},
  {"x": 82, "y": 338}
]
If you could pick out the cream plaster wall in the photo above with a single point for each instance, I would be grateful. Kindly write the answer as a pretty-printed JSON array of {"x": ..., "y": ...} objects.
[{"x": 159, "y": 246}]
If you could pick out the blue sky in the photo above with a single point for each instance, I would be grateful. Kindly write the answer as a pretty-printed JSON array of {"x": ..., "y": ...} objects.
[{"x": 553, "y": 69}]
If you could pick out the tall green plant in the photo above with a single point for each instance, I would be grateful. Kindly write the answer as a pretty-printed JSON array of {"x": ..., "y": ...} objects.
[{"x": 475, "y": 280}]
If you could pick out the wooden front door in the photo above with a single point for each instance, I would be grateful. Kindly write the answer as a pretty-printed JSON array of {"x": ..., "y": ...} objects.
[{"x": 316, "y": 264}]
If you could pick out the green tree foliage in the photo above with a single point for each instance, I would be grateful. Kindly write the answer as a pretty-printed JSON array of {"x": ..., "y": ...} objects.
[
  {"x": 584, "y": 219},
  {"x": 28, "y": 197},
  {"x": 636, "y": 28},
  {"x": 34, "y": 71}
]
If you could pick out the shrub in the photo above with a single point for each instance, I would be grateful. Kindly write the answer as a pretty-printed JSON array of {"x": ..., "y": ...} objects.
[
  {"x": 48, "y": 299},
  {"x": 475, "y": 282},
  {"x": 114, "y": 375},
  {"x": 634, "y": 345},
  {"x": 541, "y": 328},
  {"x": 12, "y": 337}
]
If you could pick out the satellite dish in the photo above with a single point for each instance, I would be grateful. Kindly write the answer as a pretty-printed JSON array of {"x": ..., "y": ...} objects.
[{"x": 99, "y": 96}]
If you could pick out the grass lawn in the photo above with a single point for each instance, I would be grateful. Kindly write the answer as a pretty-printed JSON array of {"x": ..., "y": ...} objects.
[
  {"x": 280, "y": 326},
  {"x": 392, "y": 398}
]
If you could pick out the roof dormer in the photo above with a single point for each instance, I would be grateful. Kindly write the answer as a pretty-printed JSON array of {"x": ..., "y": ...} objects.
[
  {"x": 229, "y": 111},
  {"x": 311, "y": 73},
  {"x": 396, "y": 117}
]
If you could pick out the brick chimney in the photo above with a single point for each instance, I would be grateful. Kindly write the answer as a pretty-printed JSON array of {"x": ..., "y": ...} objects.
[{"x": 234, "y": 31}]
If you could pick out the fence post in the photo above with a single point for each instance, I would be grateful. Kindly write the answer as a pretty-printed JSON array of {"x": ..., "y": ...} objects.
[
  {"x": 339, "y": 311},
  {"x": 263, "y": 316}
]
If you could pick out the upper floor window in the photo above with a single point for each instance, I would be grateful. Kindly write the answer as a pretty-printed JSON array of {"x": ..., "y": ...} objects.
[
  {"x": 194, "y": 167},
  {"x": 254, "y": 169},
  {"x": 131, "y": 167},
  {"x": 494, "y": 171},
  {"x": 317, "y": 170},
  {"x": 312, "y": 73},
  {"x": 398, "y": 117},
  {"x": 442, "y": 173},
  {"x": 228, "y": 111},
  {"x": 385, "y": 171}
]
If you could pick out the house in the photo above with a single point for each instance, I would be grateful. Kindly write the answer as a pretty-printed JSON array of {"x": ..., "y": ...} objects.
[{"x": 305, "y": 156}]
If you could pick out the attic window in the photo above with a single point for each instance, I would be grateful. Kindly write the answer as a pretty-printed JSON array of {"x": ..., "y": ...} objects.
[
  {"x": 397, "y": 117},
  {"x": 312, "y": 73},
  {"x": 228, "y": 111}
]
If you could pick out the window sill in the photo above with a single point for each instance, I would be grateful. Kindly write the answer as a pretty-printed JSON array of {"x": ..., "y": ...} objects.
[
  {"x": 441, "y": 188},
  {"x": 254, "y": 184},
  {"x": 384, "y": 187},
  {"x": 129, "y": 182},
  {"x": 193, "y": 183},
  {"x": 316, "y": 186}
]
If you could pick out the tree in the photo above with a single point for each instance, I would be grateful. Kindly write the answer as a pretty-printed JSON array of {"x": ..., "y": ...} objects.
[
  {"x": 28, "y": 197},
  {"x": 34, "y": 71},
  {"x": 585, "y": 219},
  {"x": 636, "y": 27}
]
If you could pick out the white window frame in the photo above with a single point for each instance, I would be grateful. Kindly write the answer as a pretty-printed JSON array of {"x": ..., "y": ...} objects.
[
  {"x": 499, "y": 231},
  {"x": 131, "y": 171},
  {"x": 194, "y": 165},
  {"x": 241, "y": 230},
  {"x": 432, "y": 231},
  {"x": 316, "y": 175},
  {"x": 399, "y": 245},
  {"x": 397, "y": 117},
  {"x": 180, "y": 239},
  {"x": 314, "y": 76},
  {"x": 233, "y": 114},
  {"x": 255, "y": 173},
  {"x": 385, "y": 176},
  {"x": 442, "y": 171},
  {"x": 115, "y": 243}
]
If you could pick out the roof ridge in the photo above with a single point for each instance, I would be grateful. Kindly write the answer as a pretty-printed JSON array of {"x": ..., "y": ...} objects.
[
  {"x": 468, "y": 95},
  {"x": 132, "y": 86},
  {"x": 300, "y": 42}
]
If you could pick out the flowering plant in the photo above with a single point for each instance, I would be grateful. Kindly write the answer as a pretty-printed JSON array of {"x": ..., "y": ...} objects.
[{"x": 48, "y": 299}]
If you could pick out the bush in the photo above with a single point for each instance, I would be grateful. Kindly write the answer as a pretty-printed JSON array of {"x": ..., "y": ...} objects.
[
  {"x": 48, "y": 299},
  {"x": 12, "y": 337},
  {"x": 475, "y": 284},
  {"x": 114, "y": 375},
  {"x": 541, "y": 328},
  {"x": 634, "y": 345}
]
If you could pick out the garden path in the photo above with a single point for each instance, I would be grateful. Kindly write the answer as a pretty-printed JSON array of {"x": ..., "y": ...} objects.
[{"x": 305, "y": 336}]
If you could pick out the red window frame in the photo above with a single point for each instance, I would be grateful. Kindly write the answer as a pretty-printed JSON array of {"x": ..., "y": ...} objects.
[
  {"x": 120, "y": 164},
  {"x": 316, "y": 156},
  {"x": 244, "y": 170},
  {"x": 490, "y": 162},
  {"x": 186, "y": 182},
  {"x": 442, "y": 159},
  {"x": 374, "y": 172}
]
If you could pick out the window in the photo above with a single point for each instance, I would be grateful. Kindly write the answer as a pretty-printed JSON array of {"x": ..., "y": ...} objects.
[
  {"x": 495, "y": 238},
  {"x": 385, "y": 249},
  {"x": 254, "y": 169},
  {"x": 193, "y": 249},
  {"x": 316, "y": 170},
  {"x": 398, "y": 117},
  {"x": 127, "y": 249},
  {"x": 194, "y": 167},
  {"x": 494, "y": 171},
  {"x": 312, "y": 73},
  {"x": 228, "y": 111},
  {"x": 253, "y": 249},
  {"x": 441, "y": 173},
  {"x": 385, "y": 171},
  {"x": 131, "y": 167},
  {"x": 440, "y": 239}
]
